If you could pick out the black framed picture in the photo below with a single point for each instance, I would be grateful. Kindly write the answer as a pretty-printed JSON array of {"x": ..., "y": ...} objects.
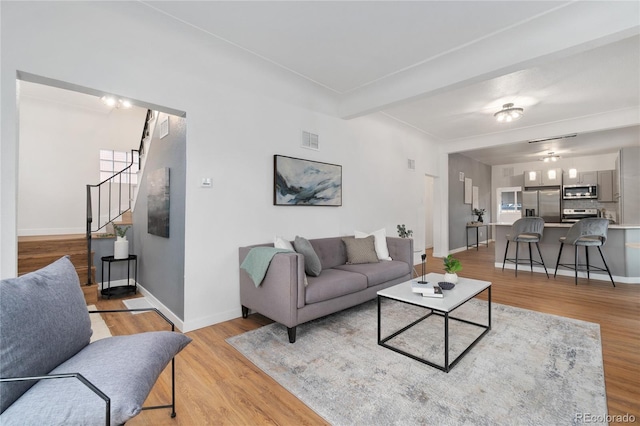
[{"x": 299, "y": 182}]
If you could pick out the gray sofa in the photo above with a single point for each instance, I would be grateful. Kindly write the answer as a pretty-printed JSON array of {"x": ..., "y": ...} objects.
[
  {"x": 49, "y": 372},
  {"x": 284, "y": 297}
]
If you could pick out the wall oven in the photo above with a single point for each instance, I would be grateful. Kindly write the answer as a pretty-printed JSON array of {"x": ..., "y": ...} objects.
[{"x": 579, "y": 192}]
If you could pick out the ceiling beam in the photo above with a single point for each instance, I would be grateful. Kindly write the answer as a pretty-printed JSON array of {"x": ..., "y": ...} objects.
[{"x": 567, "y": 30}]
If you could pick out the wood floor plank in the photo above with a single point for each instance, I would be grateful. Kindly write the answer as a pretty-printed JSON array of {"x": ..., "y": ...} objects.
[{"x": 216, "y": 385}]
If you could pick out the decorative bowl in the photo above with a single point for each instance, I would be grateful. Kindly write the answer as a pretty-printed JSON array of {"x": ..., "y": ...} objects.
[{"x": 445, "y": 285}]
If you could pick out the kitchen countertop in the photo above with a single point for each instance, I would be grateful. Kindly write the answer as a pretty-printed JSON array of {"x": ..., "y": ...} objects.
[
  {"x": 622, "y": 257},
  {"x": 568, "y": 225}
]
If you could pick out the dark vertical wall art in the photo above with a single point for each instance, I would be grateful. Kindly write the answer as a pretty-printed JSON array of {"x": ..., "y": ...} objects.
[
  {"x": 299, "y": 182},
  {"x": 158, "y": 203}
]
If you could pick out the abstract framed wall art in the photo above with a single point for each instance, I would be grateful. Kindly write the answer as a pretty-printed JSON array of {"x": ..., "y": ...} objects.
[
  {"x": 158, "y": 203},
  {"x": 298, "y": 182}
]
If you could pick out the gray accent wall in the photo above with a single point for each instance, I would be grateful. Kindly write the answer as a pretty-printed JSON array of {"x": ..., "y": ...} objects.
[
  {"x": 459, "y": 212},
  {"x": 161, "y": 260}
]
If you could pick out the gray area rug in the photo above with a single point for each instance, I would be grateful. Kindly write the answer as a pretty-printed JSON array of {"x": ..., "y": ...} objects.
[{"x": 531, "y": 368}]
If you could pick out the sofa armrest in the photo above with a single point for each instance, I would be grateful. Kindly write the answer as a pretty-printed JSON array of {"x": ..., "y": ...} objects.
[
  {"x": 401, "y": 249},
  {"x": 281, "y": 291}
]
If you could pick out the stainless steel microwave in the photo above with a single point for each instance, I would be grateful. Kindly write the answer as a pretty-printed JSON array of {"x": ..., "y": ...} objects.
[{"x": 576, "y": 192}]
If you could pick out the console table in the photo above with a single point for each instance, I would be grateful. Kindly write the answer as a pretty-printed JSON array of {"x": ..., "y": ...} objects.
[
  {"x": 122, "y": 289},
  {"x": 477, "y": 227}
]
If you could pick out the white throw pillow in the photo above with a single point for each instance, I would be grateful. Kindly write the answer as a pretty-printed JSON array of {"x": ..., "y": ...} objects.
[
  {"x": 279, "y": 242},
  {"x": 380, "y": 238}
]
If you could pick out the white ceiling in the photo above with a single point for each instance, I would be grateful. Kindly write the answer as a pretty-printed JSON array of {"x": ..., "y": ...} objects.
[{"x": 445, "y": 67}]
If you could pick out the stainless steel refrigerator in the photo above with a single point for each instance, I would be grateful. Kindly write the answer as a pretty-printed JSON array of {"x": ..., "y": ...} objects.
[{"x": 544, "y": 203}]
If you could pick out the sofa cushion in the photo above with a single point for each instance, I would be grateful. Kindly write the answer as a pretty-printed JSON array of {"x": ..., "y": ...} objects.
[
  {"x": 125, "y": 368},
  {"x": 333, "y": 283},
  {"x": 43, "y": 322},
  {"x": 378, "y": 273},
  {"x": 331, "y": 251},
  {"x": 360, "y": 250},
  {"x": 312, "y": 264}
]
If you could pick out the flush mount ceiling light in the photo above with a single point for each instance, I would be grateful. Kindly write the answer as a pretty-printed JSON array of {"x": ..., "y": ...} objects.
[
  {"x": 113, "y": 102},
  {"x": 550, "y": 157},
  {"x": 508, "y": 113}
]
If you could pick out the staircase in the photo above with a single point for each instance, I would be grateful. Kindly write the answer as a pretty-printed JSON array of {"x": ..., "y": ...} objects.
[
  {"x": 35, "y": 252},
  {"x": 108, "y": 201}
]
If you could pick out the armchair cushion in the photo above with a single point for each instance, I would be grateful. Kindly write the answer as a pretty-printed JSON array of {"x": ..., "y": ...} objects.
[
  {"x": 123, "y": 367},
  {"x": 49, "y": 305}
]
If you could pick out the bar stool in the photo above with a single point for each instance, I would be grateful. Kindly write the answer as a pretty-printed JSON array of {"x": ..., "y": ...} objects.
[
  {"x": 526, "y": 230},
  {"x": 587, "y": 232}
]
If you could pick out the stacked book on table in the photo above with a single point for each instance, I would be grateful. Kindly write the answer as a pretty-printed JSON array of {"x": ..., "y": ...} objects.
[{"x": 426, "y": 289}]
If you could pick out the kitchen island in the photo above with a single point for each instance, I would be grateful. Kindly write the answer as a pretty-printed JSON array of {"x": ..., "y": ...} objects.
[{"x": 621, "y": 256}]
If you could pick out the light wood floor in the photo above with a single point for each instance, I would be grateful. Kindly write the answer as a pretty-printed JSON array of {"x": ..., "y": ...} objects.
[{"x": 217, "y": 385}]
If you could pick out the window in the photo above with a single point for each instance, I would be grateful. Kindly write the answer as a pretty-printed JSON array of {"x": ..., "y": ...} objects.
[
  {"x": 111, "y": 162},
  {"x": 509, "y": 204}
]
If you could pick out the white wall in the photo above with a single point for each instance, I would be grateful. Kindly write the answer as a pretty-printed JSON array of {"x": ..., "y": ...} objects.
[
  {"x": 59, "y": 151},
  {"x": 240, "y": 112}
]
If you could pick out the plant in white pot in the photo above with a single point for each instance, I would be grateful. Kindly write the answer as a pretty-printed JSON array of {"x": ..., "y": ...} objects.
[
  {"x": 121, "y": 245},
  {"x": 451, "y": 267}
]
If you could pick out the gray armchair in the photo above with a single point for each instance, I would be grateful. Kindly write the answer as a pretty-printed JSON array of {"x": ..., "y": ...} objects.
[{"x": 51, "y": 374}]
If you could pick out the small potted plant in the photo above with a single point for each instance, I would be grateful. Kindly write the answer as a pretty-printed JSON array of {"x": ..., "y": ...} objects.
[
  {"x": 403, "y": 232},
  {"x": 451, "y": 267},
  {"x": 479, "y": 213},
  {"x": 121, "y": 245}
]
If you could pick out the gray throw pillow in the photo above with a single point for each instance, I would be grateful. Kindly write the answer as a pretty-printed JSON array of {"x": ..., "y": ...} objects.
[
  {"x": 43, "y": 322},
  {"x": 312, "y": 265},
  {"x": 361, "y": 250}
]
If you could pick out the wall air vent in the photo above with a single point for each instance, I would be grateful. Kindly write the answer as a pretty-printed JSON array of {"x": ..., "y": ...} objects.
[
  {"x": 507, "y": 172},
  {"x": 310, "y": 140},
  {"x": 411, "y": 164}
]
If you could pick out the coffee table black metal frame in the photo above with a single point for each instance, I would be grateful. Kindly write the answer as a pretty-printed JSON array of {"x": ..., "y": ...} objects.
[{"x": 446, "y": 314}]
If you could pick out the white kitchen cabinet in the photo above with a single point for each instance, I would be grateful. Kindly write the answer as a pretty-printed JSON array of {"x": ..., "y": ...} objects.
[
  {"x": 532, "y": 178},
  {"x": 605, "y": 186},
  {"x": 582, "y": 178},
  {"x": 552, "y": 177}
]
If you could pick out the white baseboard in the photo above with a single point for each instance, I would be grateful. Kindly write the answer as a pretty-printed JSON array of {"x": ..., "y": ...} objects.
[
  {"x": 570, "y": 273},
  {"x": 181, "y": 325},
  {"x": 482, "y": 245},
  {"x": 162, "y": 308},
  {"x": 212, "y": 319}
]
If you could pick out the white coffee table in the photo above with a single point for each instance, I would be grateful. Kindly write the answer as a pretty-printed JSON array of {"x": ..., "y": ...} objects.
[{"x": 465, "y": 290}]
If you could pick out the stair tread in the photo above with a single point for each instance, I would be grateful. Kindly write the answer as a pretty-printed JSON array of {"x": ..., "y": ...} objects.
[
  {"x": 61, "y": 237},
  {"x": 59, "y": 253}
]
